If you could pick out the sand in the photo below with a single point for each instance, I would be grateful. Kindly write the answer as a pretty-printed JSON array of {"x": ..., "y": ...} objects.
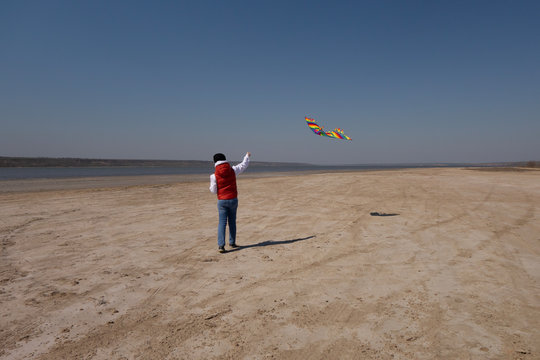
[{"x": 133, "y": 272}]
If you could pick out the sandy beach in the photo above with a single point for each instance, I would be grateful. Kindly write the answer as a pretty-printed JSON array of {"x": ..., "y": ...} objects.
[{"x": 125, "y": 271}]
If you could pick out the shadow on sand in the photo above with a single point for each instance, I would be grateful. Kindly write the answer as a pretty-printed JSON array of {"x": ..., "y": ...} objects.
[
  {"x": 270, "y": 243},
  {"x": 381, "y": 214}
]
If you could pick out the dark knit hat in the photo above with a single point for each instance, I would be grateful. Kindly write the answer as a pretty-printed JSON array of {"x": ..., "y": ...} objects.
[{"x": 219, "y": 157}]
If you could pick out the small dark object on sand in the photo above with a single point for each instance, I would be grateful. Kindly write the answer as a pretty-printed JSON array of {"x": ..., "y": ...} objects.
[{"x": 381, "y": 214}]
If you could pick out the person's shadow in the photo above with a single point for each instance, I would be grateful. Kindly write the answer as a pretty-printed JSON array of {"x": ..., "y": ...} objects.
[{"x": 270, "y": 243}]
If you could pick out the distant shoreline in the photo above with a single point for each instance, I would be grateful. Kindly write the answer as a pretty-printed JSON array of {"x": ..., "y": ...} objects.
[
  {"x": 34, "y": 172},
  {"x": 103, "y": 182},
  {"x": 82, "y": 162},
  {"x": 67, "y": 162}
]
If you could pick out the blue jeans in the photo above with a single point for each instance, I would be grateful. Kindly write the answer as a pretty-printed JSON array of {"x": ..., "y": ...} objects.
[{"x": 227, "y": 212}]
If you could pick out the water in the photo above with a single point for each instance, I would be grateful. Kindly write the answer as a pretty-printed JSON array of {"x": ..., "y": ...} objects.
[
  {"x": 78, "y": 172},
  {"x": 75, "y": 172}
]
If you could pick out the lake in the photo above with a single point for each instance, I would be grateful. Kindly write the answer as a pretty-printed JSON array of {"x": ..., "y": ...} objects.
[{"x": 75, "y": 172}]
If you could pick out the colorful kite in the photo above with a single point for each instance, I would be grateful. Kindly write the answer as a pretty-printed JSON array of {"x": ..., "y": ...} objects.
[{"x": 337, "y": 133}]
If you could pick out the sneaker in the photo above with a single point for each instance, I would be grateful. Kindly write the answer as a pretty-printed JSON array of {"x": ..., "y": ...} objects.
[
  {"x": 222, "y": 249},
  {"x": 233, "y": 245}
]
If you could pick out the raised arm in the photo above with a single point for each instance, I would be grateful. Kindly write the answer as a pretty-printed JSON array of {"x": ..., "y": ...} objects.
[{"x": 240, "y": 168}]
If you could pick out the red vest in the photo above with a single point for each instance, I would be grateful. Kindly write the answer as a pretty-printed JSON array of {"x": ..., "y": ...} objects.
[{"x": 226, "y": 182}]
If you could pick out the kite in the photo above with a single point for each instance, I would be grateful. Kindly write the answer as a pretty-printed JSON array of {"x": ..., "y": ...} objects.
[{"x": 337, "y": 133}]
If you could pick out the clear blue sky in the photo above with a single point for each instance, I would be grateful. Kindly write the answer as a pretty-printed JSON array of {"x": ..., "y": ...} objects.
[{"x": 409, "y": 81}]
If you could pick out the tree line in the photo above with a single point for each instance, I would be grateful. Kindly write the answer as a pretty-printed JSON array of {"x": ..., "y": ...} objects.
[{"x": 79, "y": 162}]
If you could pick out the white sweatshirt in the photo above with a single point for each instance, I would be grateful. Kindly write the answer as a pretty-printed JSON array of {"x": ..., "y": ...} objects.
[{"x": 238, "y": 169}]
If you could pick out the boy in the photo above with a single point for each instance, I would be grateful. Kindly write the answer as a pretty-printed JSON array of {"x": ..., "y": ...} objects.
[{"x": 223, "y": 183}]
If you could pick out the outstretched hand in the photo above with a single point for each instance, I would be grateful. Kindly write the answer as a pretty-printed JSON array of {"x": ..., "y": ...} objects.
[{"x": 248, "y": 153}]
